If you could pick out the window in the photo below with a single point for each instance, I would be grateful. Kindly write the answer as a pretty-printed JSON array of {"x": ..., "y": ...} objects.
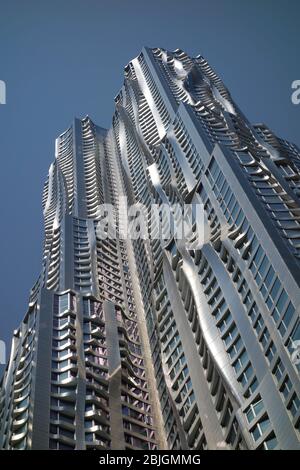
[
  {"x": 280, "y": 305},
  {"x": 86, "y": 307},
  {"x": 271, "y": 351},
  {"x": 262, "y": 269},
  {"x": 294, "y": 405},
  {"x": 225, "y": 322},
  {"x": 268, "y": 281},
  {"x": 253, "y": 312},
  {"x": 63, "y": 303},
  {"x": 227, "y": 415},
  {"x": 260, "y": 428},
  {"x": 220, "y": 309},
  {"x": 281, "y": 301},
  {"x": 64, "y": 353},
  {"x": 270, "y": 443},
  {"x": 248, "y": 299},
  {"x": 235, "y": 348},
  {"x": 61, "y": 431},
  {"x": 241, "y": 361},
  {"x": 253, "y": 386},
  {"x": 259, "y": 324},
  {"x": 278, "y": 370},
  {"x": 246, "y": 375},
  {"x": 230, "y": 335},
  {"x": 254, "y": 409},
  {"x": 287, "y": 318},
  {"x": 256, "y": 260},
  {"x": 54, "y": 415},
  {"x": 265, "y": 337},
  {"x": 275, "y": 289},
  {"x": 233, "y": 432},
  {"x": 286, "y": 387}
]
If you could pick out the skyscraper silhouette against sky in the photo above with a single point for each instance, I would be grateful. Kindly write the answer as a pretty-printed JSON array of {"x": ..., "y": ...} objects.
[{"x": 164, "y": 343}]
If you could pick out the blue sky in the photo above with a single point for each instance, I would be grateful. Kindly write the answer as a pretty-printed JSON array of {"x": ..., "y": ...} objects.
[{"x": 65, "y": 58}]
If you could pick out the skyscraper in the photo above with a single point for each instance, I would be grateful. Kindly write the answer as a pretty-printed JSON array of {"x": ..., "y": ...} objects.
[
  {"x": 164, "y": 342},
  {"x": 78, "y": 364}
]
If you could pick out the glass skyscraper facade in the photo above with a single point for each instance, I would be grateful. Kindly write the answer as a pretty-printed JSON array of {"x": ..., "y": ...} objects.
[{"x": 164, "y": 343}]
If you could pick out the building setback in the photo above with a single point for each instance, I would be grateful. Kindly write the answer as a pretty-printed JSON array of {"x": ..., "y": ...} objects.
[{"x": 164, "y": 343}]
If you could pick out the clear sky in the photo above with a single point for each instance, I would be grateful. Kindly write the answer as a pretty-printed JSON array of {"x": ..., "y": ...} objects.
[{"x": 65, "y": 58}]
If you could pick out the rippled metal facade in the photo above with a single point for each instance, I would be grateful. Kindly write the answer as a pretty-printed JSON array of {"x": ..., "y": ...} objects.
[
  {"x": 167, "y": 346},
  {"x": 77, "y": 377}
]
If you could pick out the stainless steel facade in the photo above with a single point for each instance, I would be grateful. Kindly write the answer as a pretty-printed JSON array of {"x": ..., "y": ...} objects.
[{"x": 143, "y": 343}]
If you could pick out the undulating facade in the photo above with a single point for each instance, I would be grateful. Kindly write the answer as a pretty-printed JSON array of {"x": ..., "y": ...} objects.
[{"x": 164, "y": 343}]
